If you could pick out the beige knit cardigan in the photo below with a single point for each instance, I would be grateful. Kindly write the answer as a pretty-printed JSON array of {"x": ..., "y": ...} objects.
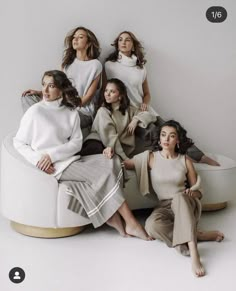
[{"x": 111, "y": 128}]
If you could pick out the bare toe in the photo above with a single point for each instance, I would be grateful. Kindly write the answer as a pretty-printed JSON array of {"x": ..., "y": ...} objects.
[
  {"x": 200, "y": 272},
  {"x": 220, "y": 236},
  {"x": 198, "y": 269}
]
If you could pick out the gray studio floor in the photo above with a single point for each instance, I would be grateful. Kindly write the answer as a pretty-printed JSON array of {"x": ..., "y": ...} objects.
[{"x": 102, "y": 260}]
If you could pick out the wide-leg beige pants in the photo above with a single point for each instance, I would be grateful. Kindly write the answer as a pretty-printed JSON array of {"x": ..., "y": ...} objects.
[{"x": 175, "y": 220}]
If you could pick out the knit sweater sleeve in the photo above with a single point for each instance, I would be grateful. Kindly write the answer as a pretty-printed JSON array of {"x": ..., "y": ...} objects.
[
  {"x": 105, "y": 127},
  {"x": 22, "y": 140},
  {"x": 144, "y": 117},
  {"x": 141, "y": 169},
  {"x": 70, "y": 148}
]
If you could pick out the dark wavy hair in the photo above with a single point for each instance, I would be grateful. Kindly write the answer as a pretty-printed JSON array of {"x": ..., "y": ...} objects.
[
  {"x": 138, "y": 50},
  {"x": 70, "y": 96},
  {"x": 184, "y": 141},
  {"x": 124, "y": 102},
  {"x": 93, "y": 50}
]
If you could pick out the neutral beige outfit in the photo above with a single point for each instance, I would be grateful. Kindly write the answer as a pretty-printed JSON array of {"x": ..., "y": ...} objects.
[
  {"x": 111, "y": 128},
  {"x": 175, "y": 219}
]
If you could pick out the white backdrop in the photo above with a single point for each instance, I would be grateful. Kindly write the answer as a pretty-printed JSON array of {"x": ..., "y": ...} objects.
[{"x": 191, "y": 62}]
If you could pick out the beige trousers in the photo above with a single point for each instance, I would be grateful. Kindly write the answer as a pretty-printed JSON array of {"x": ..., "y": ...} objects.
[{"x": 174, "y": 221}]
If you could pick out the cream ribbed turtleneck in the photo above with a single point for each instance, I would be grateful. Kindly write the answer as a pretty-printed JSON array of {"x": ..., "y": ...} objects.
[{"x": 48, "y": 128}]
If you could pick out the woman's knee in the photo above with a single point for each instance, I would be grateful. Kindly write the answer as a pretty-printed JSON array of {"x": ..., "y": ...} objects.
[
  {"x": 179, "y": 197},
  {"x": 180, "y": 201},
  {"x": 155, "y": 227}
]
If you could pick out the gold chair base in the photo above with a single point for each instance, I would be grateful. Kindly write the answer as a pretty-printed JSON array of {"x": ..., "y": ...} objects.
[
  {"x": 214, "y": 206},
  {"x": 44, "y": 232}
]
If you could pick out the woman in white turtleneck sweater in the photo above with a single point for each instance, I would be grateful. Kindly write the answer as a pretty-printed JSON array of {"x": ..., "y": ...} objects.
[
  {"x": 127, "y": 63},
  {"x": 49, "y": 137}
]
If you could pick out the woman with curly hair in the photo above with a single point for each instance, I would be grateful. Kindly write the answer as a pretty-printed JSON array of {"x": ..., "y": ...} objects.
[
  {"x": 127, "y": 63},
  {"x": 50, "y": 137},
  {"x": 177, "y": 186},
  {"x": 82, "y": 67}
]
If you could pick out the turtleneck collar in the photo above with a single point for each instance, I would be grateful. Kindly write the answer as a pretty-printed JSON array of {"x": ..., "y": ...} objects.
[
  {"x": 53, "y": 104},
  {"x": 115, "y": 106},
  {"x": 127, "y": 61}
]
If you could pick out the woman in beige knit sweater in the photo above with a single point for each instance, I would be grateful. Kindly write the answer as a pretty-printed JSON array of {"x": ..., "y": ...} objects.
[{"x": 115, "y": 123}]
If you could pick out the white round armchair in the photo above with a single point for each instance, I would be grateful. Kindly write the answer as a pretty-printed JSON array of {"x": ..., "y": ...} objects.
[
  {"x": 218, "y": 183},
  {"x": 36, "y": 204}
]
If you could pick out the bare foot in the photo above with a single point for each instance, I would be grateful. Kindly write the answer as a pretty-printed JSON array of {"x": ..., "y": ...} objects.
[
  {"x": 197, "y": 267},
  {"x": 138, "y": 231},
  {"x": 207, "y": 160},
  {"x": 213, "y": 235},
  {"x": 116, "y": 222},
  {"x": 183, "y": 250}
]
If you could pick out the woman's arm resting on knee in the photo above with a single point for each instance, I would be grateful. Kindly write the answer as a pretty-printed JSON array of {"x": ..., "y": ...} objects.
[
  {"x": 132, "y": 126},
  {"x": 192, "y": 179}
]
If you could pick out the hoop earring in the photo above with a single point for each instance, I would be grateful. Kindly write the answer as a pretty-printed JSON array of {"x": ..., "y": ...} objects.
[{"x": 177, "y": 145}]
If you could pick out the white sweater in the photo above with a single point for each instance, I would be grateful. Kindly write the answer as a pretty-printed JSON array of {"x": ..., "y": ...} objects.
[
  {"x": 82, "y": 74},
  {"x": 48, "y": 128}
]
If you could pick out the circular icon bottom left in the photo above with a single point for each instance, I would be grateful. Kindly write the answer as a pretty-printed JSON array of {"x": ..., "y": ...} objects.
[{"x": 17, "y": 275}]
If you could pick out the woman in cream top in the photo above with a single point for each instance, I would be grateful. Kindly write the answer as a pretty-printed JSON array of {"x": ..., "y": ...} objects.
[{"x": 177, "y": 186}]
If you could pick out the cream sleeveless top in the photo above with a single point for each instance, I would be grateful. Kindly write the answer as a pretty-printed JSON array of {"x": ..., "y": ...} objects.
[{"x": 168, "y": 176}]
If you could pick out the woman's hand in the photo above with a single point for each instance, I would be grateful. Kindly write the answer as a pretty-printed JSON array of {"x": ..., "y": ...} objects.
[
  {"x": 129, "y": 164},
  {"x": 144, "y": 107},
  {"x": 44, "y": 163},
  {"x": 194, "y": 194},
  {"x": 50, "y": 170},
  {"x": 108, "y": 152},
  {"x": 131, "y": 127},
  {"x": 31, "y": 92}
]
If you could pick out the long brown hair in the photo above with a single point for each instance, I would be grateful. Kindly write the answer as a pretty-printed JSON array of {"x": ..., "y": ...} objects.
[
  {"x": 93, "y": 50},
  {"x": 124, "y": 102},
  {"x": 138, "y": 50},
  {"x": 70, "y": 96}
]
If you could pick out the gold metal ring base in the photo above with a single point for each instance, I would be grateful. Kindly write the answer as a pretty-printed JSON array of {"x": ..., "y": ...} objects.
[
  {"x": 214, "y": 206},
  {"x": 44, "y": 232}
]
